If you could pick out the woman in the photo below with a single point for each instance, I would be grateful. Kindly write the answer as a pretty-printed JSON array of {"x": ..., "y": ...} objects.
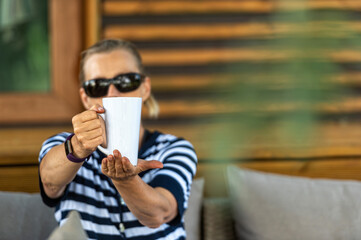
[{"x": 115, "y": 199}]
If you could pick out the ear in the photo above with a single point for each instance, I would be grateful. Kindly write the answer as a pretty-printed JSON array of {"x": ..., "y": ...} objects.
[
  {"x": 146, "y": 89},
  {"x": 84, "y": 98}
]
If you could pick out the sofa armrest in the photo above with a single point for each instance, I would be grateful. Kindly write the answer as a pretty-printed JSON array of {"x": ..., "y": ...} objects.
[
  {"x": 217, "y": 219},
  {"x": 24, "y": 216}
]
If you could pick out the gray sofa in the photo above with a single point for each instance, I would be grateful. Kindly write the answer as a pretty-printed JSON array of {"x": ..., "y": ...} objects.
[
  {"x": 24, "y": 216},
  {"x": 260, "y": 206}
]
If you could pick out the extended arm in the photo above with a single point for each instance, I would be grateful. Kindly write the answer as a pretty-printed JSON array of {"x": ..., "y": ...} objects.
[
  {"x": 56, "y": 171},
  {"x": 151, "y": 206}
]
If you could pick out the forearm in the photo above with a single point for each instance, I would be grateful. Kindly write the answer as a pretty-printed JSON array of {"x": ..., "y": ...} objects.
[
  {"x": 151, "y": 206},
  {"x": 56, "y": 171}
]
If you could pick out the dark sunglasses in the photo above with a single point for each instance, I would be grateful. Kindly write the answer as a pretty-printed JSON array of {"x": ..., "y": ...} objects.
[{"x": 126, "y": 82}]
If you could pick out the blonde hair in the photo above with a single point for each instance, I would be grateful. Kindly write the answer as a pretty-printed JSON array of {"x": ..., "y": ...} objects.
[{"x": 109, "y": 45}]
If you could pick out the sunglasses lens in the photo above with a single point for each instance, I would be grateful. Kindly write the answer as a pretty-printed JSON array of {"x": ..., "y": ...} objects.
[
  {"x": 128, "y": 82},
  {"x": 96, "y": 88},
  {"x": 124, "y": 83}
]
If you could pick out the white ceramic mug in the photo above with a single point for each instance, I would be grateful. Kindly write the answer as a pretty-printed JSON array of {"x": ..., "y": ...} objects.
[{"x": 122, "y": 123}]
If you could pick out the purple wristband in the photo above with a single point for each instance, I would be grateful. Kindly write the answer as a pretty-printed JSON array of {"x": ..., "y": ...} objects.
[{"x": 69, "y": 151}]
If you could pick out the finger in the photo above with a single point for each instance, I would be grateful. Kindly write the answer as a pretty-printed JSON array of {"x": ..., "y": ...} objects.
[
  {"x": 88, "y": 115},
  {"x": 117, "y": 154},
  {"x": 97, "y": 108},
  {"x": 85, "y": 116},
  {"x": 118, "y": 163},
  {"x": 124, "y": 161},
  {"x": 105, "y": 166},
  {"x": 146, "y": 165},
  {"x": 88, "y": 125},
  {"x": 90, "y": 143},
  {"x": 118, "y": 160},
  {"x": 89, "y": 135},
  {"x": 127, "y": 166},
  {"x": 111, "y": 165}
]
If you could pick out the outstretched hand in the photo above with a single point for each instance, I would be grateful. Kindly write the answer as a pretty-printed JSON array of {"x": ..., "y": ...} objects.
[{"x": 119, "y": 168}]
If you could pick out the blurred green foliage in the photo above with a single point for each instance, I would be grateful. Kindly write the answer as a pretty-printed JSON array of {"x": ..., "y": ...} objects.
[{"x": 279, "y": 101}]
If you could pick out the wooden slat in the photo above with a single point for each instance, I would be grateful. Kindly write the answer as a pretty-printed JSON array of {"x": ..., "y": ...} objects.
[
  {"x": 350, "y": 78},
  {"x": 181, "y": 57},
  {"x": 185, "y": 82},
  {"x": 169, "y": 83},
  {"x": 19, "y": 160},
  {"x": 354, "y": 5},
  {"x": 172, "y": 57},
  {"x": 266, "y": 142},
  {"x": 216, "y": 31},
  {"x": 348, "y": 105},
  {"x": 223, "y": 81},
  {"x": 346, "y": 56},
  {"x": 19, "y": 179},
  {"x": 188, "y": 31},
  {"x": 125, "y": 8},
  {"x": 35, "y": 108},
  {"x": 203, "y": 107},
  {"x": 15, "y": 142},
  {"x": 181, "y": 7},
  {"x": 215, "y": 173}
]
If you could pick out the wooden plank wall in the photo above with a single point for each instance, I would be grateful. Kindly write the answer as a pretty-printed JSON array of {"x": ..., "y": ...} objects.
[{"x": 189, "y": 47}]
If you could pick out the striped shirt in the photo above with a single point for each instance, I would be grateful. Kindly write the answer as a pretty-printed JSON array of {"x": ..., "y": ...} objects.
[{"x": 104, "y": 214}]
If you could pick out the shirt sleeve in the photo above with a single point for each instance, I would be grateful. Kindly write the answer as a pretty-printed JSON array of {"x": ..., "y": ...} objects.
[
  {"x": 47, "y": 145},
  {"x": 179, "y": 167}
]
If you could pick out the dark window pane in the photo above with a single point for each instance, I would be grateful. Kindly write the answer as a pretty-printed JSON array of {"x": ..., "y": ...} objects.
[{"x": 24, "y": 46}]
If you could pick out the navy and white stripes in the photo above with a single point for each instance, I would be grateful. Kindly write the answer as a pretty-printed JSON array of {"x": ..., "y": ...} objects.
[{"x": 101, "y": 207}]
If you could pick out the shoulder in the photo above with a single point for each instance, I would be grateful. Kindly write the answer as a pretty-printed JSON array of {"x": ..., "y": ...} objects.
[
  {"x": 174, "y": 140},
  {"x": 170, "y": 140},
  {"x": 161, "y": 142},
  {"x": 172, "y": 147}
]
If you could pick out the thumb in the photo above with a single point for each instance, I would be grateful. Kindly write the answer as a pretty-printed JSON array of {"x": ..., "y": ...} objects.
[
  {"x": 97, "y": 108},
  {"x": 146, "y": 165}
]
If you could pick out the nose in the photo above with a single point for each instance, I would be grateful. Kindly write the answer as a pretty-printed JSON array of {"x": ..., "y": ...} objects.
[{"x": 113, "y": 91}]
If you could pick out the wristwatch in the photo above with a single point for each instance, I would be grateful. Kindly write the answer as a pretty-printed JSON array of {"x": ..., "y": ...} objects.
[{"x": 69, "y": 151}]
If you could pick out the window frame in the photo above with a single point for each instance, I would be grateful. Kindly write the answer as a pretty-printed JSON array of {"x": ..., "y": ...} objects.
[{"x": 62, "y": 101}]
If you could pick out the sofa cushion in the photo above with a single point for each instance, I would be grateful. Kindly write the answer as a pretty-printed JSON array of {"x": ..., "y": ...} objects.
[
  {"x": 71, "y": 229},
  {"x": 24, "y": 216},
  {"x": 271, "y": 206},
  {"x": 192, "y": 216}
]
